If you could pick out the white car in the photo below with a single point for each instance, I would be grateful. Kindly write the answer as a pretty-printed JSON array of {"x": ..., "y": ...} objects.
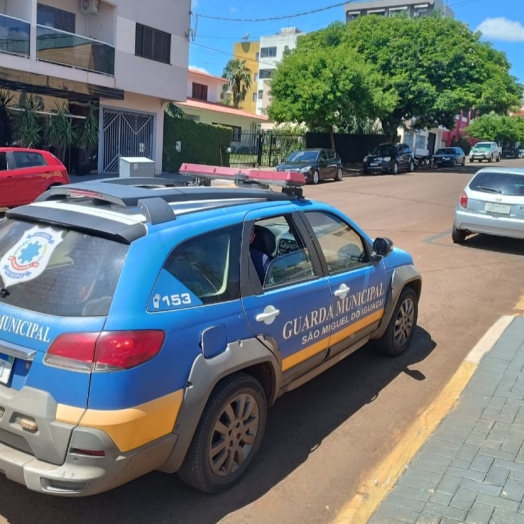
[
  {"x": 489, "y": 151},
  {"x": 492, "y": 203}
]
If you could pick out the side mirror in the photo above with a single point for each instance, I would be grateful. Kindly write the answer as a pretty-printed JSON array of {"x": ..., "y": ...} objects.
[{"x": 382, "y": 247}]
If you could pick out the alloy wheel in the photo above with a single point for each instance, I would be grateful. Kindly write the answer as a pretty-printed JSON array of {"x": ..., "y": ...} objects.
[{"x": 404, "y": 322}]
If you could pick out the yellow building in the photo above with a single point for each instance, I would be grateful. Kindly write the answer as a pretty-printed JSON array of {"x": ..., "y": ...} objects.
[{"x": 249, "y": 51}]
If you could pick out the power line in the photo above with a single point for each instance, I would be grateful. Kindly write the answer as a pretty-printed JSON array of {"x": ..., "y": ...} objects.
[
  {"x": 273, "y": 18},
  {"x": 240, "y": 57}
]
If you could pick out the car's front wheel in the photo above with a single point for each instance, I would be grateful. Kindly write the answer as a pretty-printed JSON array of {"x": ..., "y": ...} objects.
[
  {"x": 394, "y": 168},
  {"x": 401, "y": 328},
  {"x": 340, "y": 174},
  {"x": 315, "y": 178},
  {"x": 228, "y": 435}
]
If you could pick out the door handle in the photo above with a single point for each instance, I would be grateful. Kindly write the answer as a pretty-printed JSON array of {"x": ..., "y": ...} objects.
[
  {"x": 342, "y": 291},
  {"x": 268, "y": 316}
]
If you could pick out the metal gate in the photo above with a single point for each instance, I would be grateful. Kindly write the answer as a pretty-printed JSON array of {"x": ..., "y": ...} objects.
[{"x": 125, "y": 134}]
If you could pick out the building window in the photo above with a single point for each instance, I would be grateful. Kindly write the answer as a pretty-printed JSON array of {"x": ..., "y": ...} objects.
[
  {"x": 268, "y": 52},
  {"x": 153, "y": 44},
  {"x": 237, "y": 131},
  {"x": 56, "y": 18},
  {"x": 199, "y": 91},
  {"x": 420, "y": 142},
  {"x": 260, "y": 94},
  {"x": 352, "y": 16},
  {"x": 257, "y": 56},
  {"x": 256, "y": 77},
  {"x": 265, "y": 74}
]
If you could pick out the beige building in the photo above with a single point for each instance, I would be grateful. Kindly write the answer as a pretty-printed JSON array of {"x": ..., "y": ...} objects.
[
  {"x": 202, "y": 105},
  {"x": 128, "y": 56}
]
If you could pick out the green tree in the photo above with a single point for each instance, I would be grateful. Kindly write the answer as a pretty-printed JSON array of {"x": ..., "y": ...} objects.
[
  {"x": 431, "y": 67},
  {"x": 503, "y": 129},
  {"x": 324, "y": 88},
  {"x": 239, "y": 76}
]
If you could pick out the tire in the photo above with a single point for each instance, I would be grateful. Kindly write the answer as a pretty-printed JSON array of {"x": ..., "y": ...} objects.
[
  {"x": 394, "y": 168},
  {"x": 471, "y": 160},
  {"x": 411, "y": 167},
  {"x": 228, "y": 397},
  {"x": 458, "y": 235},
  {"x": 498, "y": 158},
  {"x": 490, "y": 159},
  {"x": 340, "y": 175},
  {"x": 463, "y": 163},
  {"x": 397, "y": 337},
  {"x": 316, "y": 177}
]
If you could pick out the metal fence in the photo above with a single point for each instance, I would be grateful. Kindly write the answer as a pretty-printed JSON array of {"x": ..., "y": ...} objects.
[{"x": 263, "y": 149}]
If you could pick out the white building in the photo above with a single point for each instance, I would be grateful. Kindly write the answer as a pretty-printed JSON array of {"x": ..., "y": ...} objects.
[
  {"x": 413, "y": 8},
  {"x": 129, "y": 56},
  {"x": 272, "y": 50}
]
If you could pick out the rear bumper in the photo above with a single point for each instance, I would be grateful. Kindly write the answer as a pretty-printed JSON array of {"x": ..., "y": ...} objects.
[{"x": 489, "y": 225}]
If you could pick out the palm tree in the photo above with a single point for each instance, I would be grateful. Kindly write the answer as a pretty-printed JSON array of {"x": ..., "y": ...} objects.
[{"x": 239, "y": 77}]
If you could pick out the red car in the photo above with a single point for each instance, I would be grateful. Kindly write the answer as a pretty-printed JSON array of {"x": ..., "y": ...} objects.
[{"x": 27, "y": 173}]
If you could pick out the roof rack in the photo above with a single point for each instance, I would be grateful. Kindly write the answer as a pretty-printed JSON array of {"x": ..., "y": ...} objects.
[{"x": 291, "y": 182}]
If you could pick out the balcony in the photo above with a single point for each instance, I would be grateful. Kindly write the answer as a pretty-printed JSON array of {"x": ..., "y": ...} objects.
[
  {"x": 14, "y": 36},
  {"x": 60, "y": 47}
]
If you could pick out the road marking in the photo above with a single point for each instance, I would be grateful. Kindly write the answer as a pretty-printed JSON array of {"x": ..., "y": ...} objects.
[
  {"x": 360, "y": 508},
  {"x": 432, "y": 239}
]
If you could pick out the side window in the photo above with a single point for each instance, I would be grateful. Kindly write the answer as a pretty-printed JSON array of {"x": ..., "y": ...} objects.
[
  {"x": 278, "y": 253},
  {"x": 3, "y": 162},
  {"x": 343, "y": 248},
  {"x": 209, "y": 265},
  {"x": 322, "y": 156},
  {"x": 25, "y": 159}
]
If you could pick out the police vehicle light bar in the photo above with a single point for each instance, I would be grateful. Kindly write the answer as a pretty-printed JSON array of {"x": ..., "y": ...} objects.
[{"x": 259, "y": 176}]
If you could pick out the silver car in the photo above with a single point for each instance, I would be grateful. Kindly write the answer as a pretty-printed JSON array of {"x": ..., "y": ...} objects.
[{"x": 492, "y": 203}]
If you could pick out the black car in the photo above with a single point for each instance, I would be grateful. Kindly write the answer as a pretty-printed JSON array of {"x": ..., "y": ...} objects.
[
  {"x": 449, "y": 156},
  {"x": 390, "y": 158},
  {"x": 513, "y": 152},
  {"x": 315, "y": 164}
]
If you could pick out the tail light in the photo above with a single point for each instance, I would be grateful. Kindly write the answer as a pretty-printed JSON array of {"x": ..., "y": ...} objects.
[
  {"x": 463, "y": 200},
  {"x": 105, "y": 351}
]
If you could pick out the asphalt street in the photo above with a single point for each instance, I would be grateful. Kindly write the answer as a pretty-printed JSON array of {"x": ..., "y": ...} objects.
[{"x": 325, "y": 437}]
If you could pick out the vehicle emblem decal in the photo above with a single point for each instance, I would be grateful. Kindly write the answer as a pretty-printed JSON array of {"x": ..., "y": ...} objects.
[{"x": 29, "y": 257}]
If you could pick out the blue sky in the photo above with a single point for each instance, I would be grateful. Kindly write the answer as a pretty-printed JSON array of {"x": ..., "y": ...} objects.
[{"x": 501, "y": 22}]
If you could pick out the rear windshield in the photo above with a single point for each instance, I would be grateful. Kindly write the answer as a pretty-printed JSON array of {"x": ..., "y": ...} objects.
[
  {"x": 57, "y": 271},
  {"x": 501, "y": 183}
]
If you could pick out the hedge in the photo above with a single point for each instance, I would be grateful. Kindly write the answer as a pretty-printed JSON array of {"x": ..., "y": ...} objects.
[{"x": 201, "y": 143}]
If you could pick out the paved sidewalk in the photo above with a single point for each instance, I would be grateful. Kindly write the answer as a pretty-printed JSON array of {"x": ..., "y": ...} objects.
[{"x": 471, "y": 469}]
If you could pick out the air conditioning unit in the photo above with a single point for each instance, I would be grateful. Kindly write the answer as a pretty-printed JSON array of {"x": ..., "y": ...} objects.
[{"x": 90, "y": 7}]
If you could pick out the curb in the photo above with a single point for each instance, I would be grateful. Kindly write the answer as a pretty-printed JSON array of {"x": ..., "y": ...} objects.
[{"x": 370, "y": 494}]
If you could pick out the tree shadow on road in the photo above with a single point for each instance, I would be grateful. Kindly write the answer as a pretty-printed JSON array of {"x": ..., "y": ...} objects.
[{"x": 297, "y": 425}]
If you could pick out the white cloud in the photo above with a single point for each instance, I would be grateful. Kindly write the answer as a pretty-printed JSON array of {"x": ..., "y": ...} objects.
[
  {"x": 502, "y": 29},
  {"x": 201, "y": 69}
]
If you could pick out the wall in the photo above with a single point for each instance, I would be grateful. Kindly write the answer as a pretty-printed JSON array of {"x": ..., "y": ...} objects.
[
  {"x": 17, "y": 9},
  {"x": 247, "y": 51},
  {"x": 351, "y": 148},
  {"x": 214, "y": 86}
]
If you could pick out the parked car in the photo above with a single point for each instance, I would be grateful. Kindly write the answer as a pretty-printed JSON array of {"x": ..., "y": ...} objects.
[
  {"x": 449, "y": 156},
  {"x": 109, "y": 372},
  {"x": 489, "y": 151},
  {"x": 390, "y": 158},
  {"x": 314, "y": 164},
  {"x": 513, "y": 152},
  {"x": 27, "y": 173},
  {"x": 492, "y": 203}
]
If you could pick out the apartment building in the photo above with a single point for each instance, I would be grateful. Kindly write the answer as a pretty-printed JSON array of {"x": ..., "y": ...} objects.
[
  {"x": 413, "y": 8},
  {"x": 249, "y": 51},
  {"x": 128, "y": 56}
]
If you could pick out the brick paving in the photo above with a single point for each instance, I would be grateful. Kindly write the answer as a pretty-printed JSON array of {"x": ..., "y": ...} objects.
[{"x": 471, "y": 469}]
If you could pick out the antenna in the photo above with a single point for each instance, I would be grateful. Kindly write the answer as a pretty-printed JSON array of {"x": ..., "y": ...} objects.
[{"x": 246, "y": 37}]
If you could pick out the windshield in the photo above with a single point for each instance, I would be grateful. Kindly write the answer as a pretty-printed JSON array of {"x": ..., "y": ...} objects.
[
  {"x": 302, "y": 156},
  {"x": 482, "y": 145},
  {"x": 57, "y": 271},
  {"x": 501, "y": 183},
  {"x": 384, "y": 150},
  {"x": 446, "y": 151}
]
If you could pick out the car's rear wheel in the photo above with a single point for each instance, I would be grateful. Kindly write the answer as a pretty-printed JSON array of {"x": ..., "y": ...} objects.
[
  {"x": 228, "y": 435},
  {"x": 316, "y": 177},
  {"x": 458, "y": 235},
  {"x": 490, "y": 159},
  {"x": 340, "y": 174},
  {"x": 401, "y": 328},
  {"x": 394, "y": 168},
  {"x": 498, "y": 158},
  {"x": 463, "y": 162}
]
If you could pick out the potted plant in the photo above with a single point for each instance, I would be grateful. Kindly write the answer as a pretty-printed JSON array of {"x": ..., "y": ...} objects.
[
  {"x": 59, "y": 131},
  {"x": 86, "y": 139},
  {"x": 5, "y": 118},
  {"x": 28, "y": 128}
]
